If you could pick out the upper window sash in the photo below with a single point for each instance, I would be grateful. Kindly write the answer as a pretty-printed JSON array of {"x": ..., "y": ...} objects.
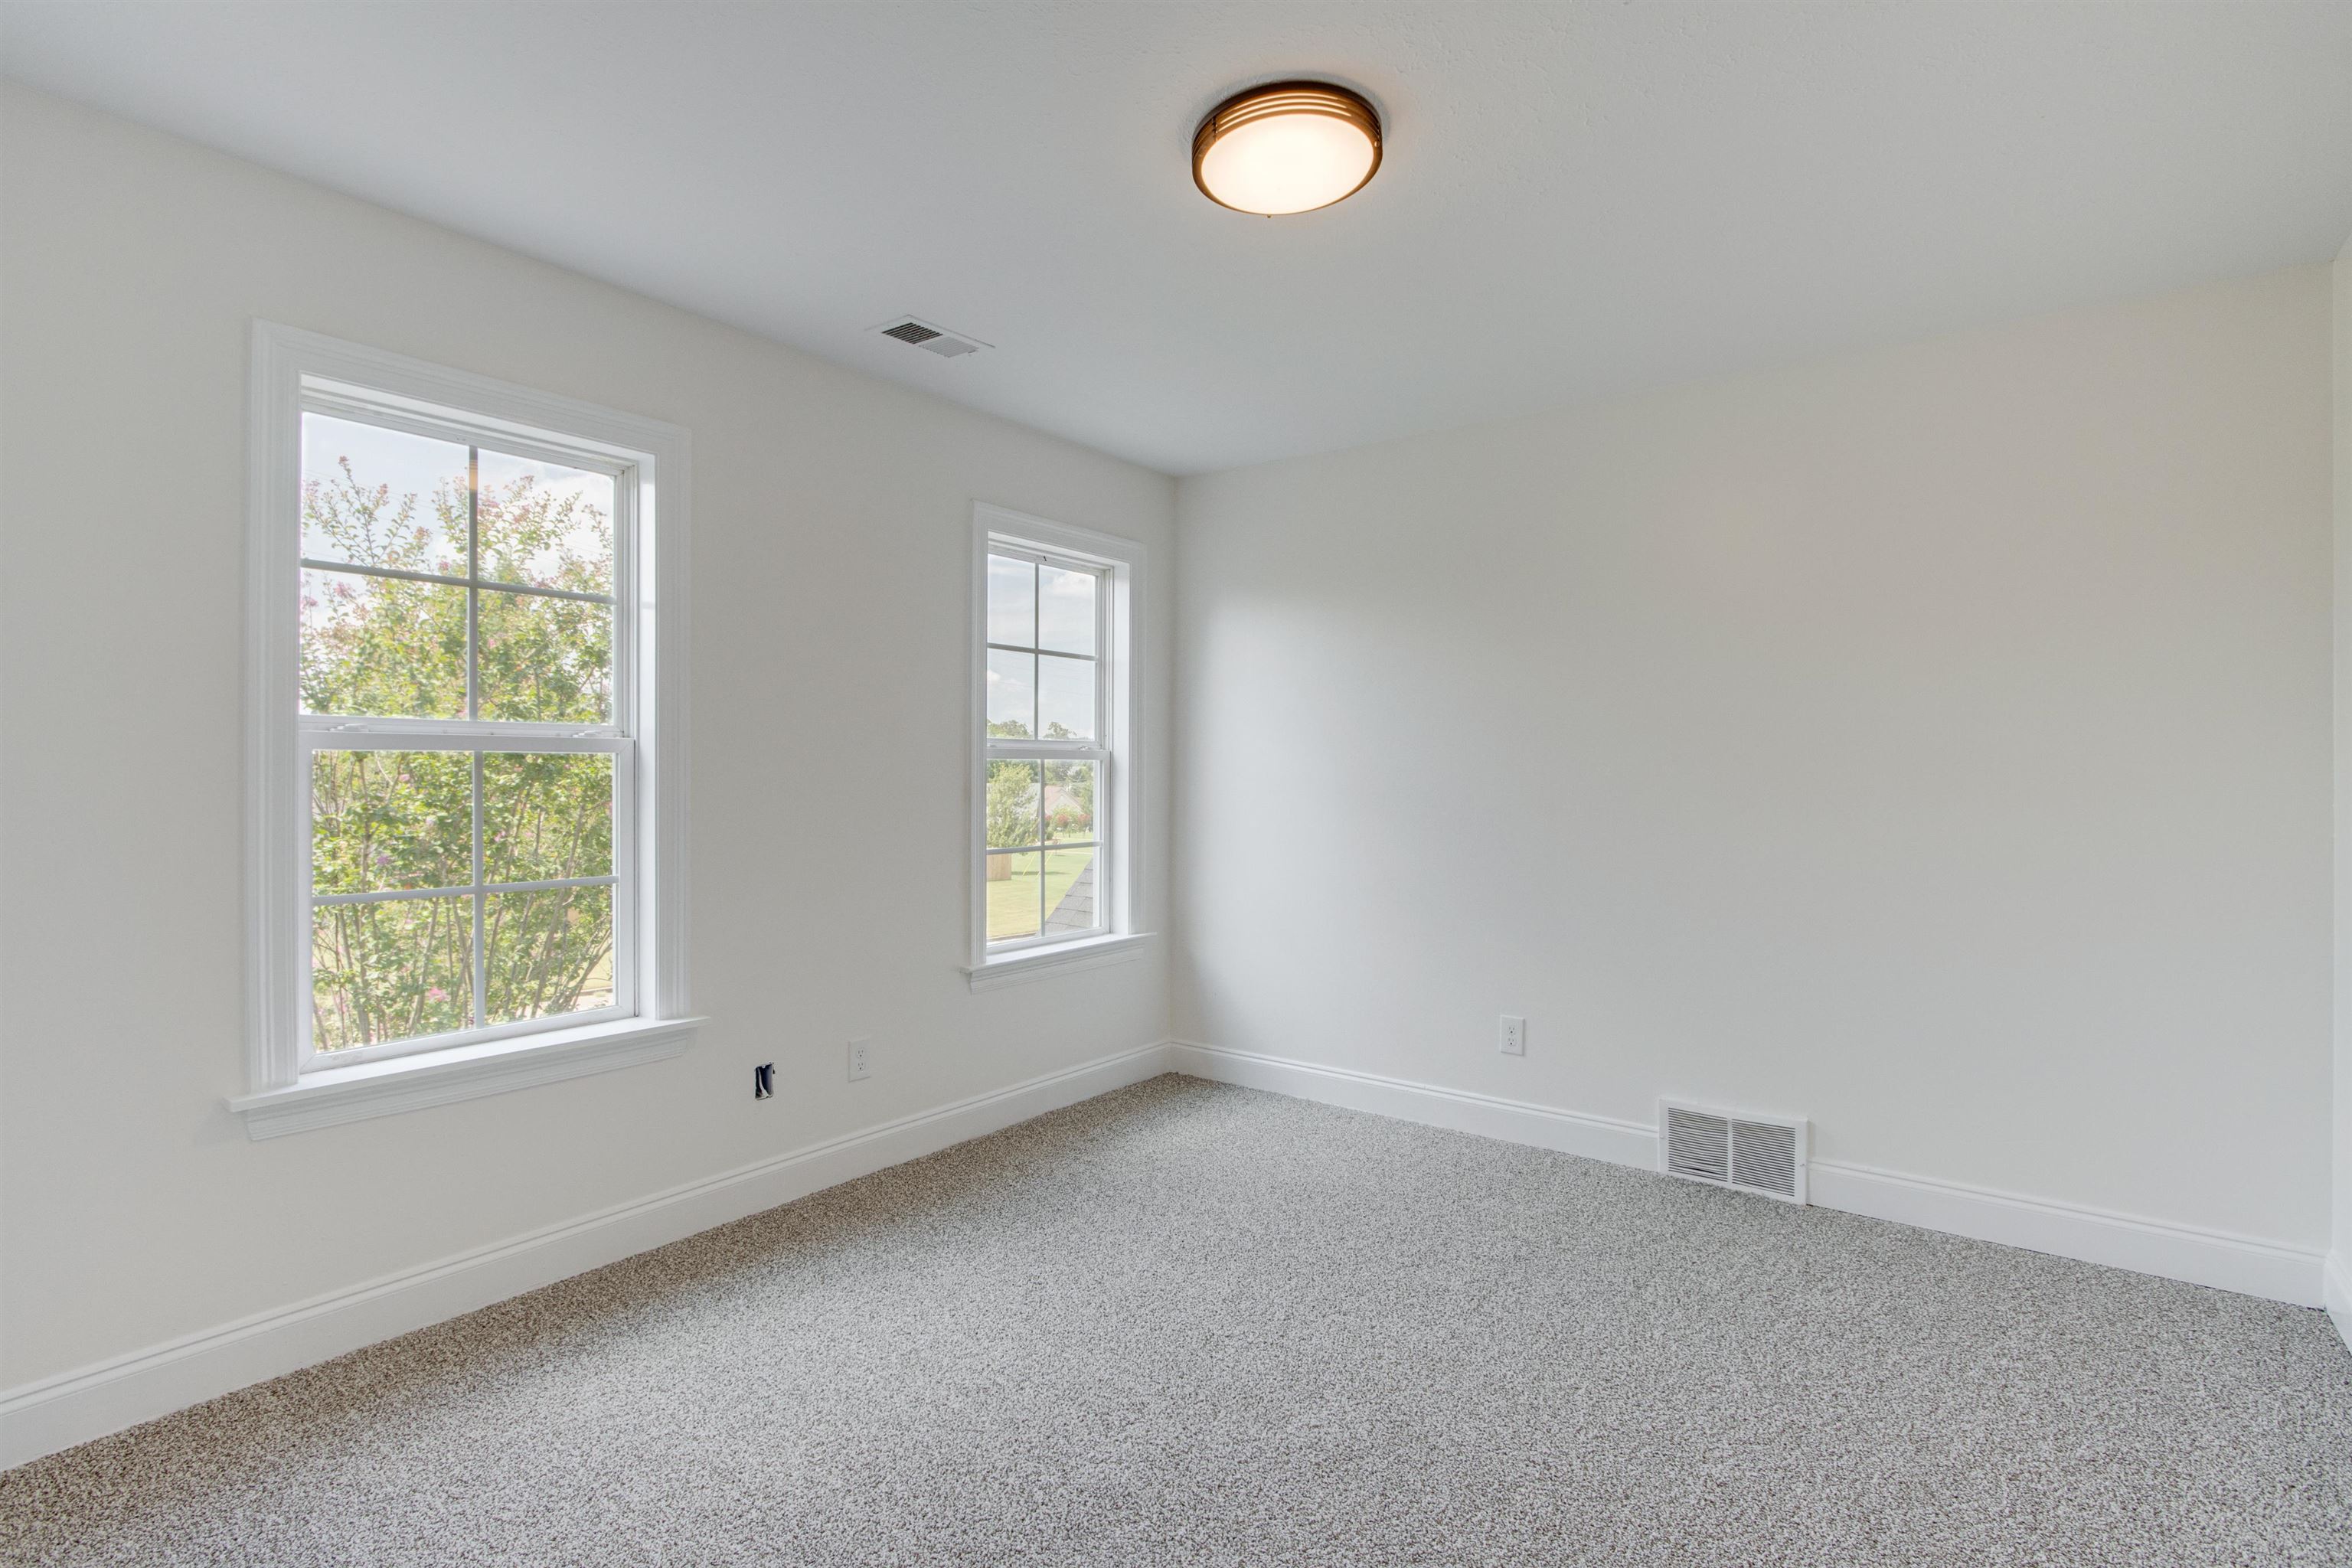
[
  {"x": 1103, "y": 577},
  {"x": 631, "y": 486}
]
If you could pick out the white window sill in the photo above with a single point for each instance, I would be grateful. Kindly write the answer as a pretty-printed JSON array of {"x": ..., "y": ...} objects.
[
  {"x": 1039, "y": 963},
  {"x": 329, "y": 1095}
]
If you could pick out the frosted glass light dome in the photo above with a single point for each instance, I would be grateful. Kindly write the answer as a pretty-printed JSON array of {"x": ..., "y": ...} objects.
[{"x": 1287, "y": 147}]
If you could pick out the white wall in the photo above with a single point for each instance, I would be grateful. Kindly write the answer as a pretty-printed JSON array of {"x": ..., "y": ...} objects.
[
  {"x": 831, "y": 549},
  {"x": 1934, "y": 742}
]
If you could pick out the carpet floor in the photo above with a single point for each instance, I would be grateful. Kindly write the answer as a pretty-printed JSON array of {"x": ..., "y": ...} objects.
[{"x": 1187, "y": 1323}]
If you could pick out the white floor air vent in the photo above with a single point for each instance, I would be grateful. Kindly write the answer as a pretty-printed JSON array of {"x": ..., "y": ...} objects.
[
  {"x": 929, "y": 337},
  {"x": 1755, "y": 1154}
]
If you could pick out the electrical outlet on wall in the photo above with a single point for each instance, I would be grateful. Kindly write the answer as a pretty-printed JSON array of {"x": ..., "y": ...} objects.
[
  {"x": 1511, "y": 1036},
  {"x": 861, "y": 1058}
]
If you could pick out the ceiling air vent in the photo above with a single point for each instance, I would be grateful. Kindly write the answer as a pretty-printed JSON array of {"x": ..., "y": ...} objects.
[
  {"x": 929, "y": 338},
  {"x": 1755, "y": 1154}
]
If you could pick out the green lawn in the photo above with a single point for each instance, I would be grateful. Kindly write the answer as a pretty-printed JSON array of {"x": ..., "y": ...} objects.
[{"x": 1013, "y": 902}]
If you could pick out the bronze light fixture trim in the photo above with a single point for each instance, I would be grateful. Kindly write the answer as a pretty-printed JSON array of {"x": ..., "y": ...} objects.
[{"x": 1282, "y": 149}]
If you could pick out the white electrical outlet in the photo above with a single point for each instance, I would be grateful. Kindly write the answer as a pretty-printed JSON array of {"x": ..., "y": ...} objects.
[
  {"x": 1511, "y": 1037},
  {"x": 861, "y": 1059}
]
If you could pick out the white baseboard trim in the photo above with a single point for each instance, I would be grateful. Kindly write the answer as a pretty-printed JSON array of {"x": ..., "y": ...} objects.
[
  {"x": 72, "y": 1407},
  {"x": 2337, "y": 1286},
  {"x": 2275, "y": 1270},
  {"x": 1513, "y": 1120}
]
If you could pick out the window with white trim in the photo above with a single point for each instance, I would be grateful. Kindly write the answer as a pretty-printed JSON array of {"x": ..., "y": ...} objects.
[
  {"x": 1051, "y": 864},
  {"x": 462, "y": 816}
]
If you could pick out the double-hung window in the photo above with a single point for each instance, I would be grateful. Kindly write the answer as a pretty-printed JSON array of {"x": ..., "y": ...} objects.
[
  {"x": 1054, "y": 861},
  {"x": 465, "y": 708},
  {"x": 461, "y": 809}
]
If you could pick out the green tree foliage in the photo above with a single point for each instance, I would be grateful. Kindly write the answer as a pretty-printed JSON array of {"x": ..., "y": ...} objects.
[
  {"x": 385, "y": 820},
  {"x": 1011, "y": 805}
]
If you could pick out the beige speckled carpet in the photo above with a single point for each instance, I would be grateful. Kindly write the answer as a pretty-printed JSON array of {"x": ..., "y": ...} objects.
[{"x": 1186, "y": 1323}]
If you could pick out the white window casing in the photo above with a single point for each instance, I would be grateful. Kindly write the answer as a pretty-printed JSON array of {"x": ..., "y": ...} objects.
[
  {"x": 292, "y": 1087},
  {"x": 1115, "y": 934}
]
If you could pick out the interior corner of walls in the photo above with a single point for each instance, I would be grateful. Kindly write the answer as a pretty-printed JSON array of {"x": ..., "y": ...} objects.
[
  {"x": 2337, "y": 1292},
  {"x": 1603, "y": 1138}
]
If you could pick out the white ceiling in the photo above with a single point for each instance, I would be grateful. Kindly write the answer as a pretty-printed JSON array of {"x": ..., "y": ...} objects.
[{"x": 1577, "y": 199}]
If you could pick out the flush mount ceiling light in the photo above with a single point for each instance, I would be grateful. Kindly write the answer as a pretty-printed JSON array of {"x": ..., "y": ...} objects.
[{"x": 1287, "y": 147}]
